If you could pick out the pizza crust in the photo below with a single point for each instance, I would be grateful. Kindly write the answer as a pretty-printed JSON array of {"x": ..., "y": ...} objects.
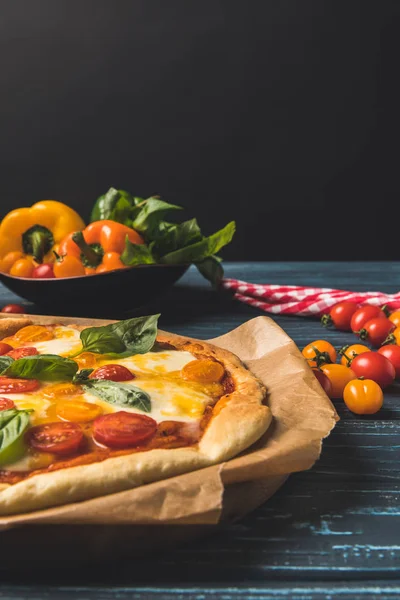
[{"x": 238, "y": 420}]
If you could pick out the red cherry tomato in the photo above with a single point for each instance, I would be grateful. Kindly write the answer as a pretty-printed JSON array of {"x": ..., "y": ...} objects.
[
  {"x": 13, "y": 308},
  {"x": 376, "y": 330},
  {"x": 324, "y": 382},
  {"x": 340, "y": 315},
  {"x": 17, "y": 353},
  {"x": 17, "y": 386},
  {"x": 363, "y": 314},
  {"x": 123, "y": 429},
  {"x": 58, "y": 438},
  {"x": 375, "y": 366},
  {"x": 44, "y": 271},
  {"x": 5, "y": 348},
  {"x": 113, "y": 373},
  {"x": 6, "y": 404},
  {"x": 392, "y": 353}
]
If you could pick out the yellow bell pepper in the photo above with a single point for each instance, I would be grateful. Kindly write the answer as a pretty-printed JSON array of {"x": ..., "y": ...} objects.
[{"x": 33, "y": 233}]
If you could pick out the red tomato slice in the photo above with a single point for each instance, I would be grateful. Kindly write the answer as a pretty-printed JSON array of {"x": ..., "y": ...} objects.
[
  {"x": 22, "y": 352},
  {"x": 5, "y": 348},
  {"x": 113, "y": 373},
  {"x": 58, "y": 438},
  {"x": 123, "y": 429},
  {"x": 6, "y": 404},
  {"x": 17, "y": 386}
]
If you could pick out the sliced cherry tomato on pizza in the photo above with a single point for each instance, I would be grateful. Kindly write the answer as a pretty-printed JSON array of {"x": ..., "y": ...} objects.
[
  {"x": 6, "y": 404},
  {"x": 13, "y": 308},
  {"x": 363, "y": 397},
  {"x": 123, "y": 429},
  {"x": 319, "y": 352},
  {"x": 58, "y": 438},
  {"x": 203, "y": 370},
  {"x": 392, "y": 353},
  {"x": 62, "y": 390},
  {"x": 86, "y": 360},
  {"x": 17, "y": 386},
  {"x": 340, "y": 315},
  {"x": 5, "y": 348},
  {"x": 365, "y": 313},
  {"x": 113, "y": 373},
  {"x": 375, "y": 366},
  {"x": 376, "y": 330},
  {"x": 77, "y": 411},
  {"x": 34, "y": 333},
  {"x": 339, "y": 376},
  {"x": 349, "y": 352},
  {"x": 17, "y": 353},
  {"x": 324, "y": 381}
]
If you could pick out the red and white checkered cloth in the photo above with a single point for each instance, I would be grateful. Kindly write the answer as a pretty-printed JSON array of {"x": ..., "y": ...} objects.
[{"x": 302, "y": 301}]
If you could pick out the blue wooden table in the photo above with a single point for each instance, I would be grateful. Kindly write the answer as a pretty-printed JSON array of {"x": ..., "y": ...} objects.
[{"x": 331, "y": 532}]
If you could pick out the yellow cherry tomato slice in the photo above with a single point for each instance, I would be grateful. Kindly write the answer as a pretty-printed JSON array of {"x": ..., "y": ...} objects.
[
  {"x": 203, "y": 371},
  {"x": 353, "y": 351},
  {"x": 319, "y": 348},
  {"x": 61, "y": 390},
  {"x": 33, "y": 333},
  {"x": 87, "y": 360},
  {"x": 363, "y": 397},
  {"x": 395, "y": 318},
  {"x": 339, "y": 376},
  {"x": 77, "y": 411}
]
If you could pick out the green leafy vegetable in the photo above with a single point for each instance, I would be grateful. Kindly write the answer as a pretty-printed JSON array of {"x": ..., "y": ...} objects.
[
  {"x": 136, "y": 254},
  {"x": 13, "y": 424},
  {"x": 5, "y": 362},
  {"x": 115, "y": 205},
  {"x": 120, "y": 394},
  {"x": 82, "y": 376},
  {"x": 211, "y": 269},
  {"x": 45, "y": 367},
  {"x": 147, "y": 218},
  {"x": 200, "y": 250},
  {"x": 177, "y": 236},
  {"x": 125, "y": 338}
]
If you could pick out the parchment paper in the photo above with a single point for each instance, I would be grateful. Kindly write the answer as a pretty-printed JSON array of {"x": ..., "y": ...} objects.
[{"x": 303, "y": 416}]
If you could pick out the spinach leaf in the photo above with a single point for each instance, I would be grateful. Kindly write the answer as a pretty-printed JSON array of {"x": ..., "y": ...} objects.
[
  {"x": 177, "y": 236},
  {"x": 136, "y": 254},
  {"x": 203, "y": 249},
  {"x": 120, "y": 394},
  {"x": 45, "y": 367},
  {"x": 146, "y": 219},
  {"x": 110, "y": 205},
  {"x": 12, "y": 428},
  {"x": 211, "y": 269},
  {"x": 125, "y": 338},
  {"x": 5, "y": 362}
]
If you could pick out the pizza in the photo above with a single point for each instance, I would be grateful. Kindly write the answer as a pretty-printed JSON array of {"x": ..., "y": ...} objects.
[{"x": 90, "y": 411}]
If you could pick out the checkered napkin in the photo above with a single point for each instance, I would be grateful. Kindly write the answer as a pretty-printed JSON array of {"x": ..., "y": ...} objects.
[{"x": 302, "y": 301}]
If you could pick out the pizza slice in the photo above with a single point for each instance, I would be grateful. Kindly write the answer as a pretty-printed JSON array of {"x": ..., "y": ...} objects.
[{"x": 89, "y": 411}]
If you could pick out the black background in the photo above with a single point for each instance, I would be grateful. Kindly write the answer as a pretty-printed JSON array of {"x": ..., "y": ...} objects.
[{"x": 283, "y": 115}]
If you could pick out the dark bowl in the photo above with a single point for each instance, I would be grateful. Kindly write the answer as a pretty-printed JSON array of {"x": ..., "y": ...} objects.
[{"x": 117, "y": 290}]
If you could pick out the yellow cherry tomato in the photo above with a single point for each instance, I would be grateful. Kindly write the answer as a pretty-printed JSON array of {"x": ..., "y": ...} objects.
[
  {"x": 69, "y": 266},
  {"x": 23, "y": 267},
  {"x": 319, "y": 352},
  {"x": 394, "y": 337},
  {"x": 203, "y": 371},
  {"x": 9, "y": 259},
  {"x": 77, "y": 411},
  {"x": 61, "y": 390},
  {"x": 363, "y": 397},
  {"x": 339, "y": 376},
  {"x": 87, "y": 360},
  {"x": 395, "y": 318},
  {"x": 352, "y": 351},
  {"x": 33, "y": 333}
]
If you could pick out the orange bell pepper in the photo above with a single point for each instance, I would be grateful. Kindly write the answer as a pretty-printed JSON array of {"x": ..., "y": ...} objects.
[{"x": 99, "y": 246}]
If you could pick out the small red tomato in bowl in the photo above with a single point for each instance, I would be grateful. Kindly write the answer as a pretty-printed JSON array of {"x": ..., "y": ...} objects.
[
  {"x": 340, "y": 315},
  {"x": 44, "y": 271},
  {"x": 365, "y": 313},
  {"x": 375, "y": 366},
  {"x": 13, "y": 308},
  {"x": 392, "y": 353},
  {"x": 324, "y": 381},
  {"x": 376, "y": 330}
]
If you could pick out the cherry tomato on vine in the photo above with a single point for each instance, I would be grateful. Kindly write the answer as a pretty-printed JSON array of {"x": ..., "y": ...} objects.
[
  {"x": 393, "y": 337},
  {"x": 350, "y": 352},
  {"x": 44, "y": 271},
  {"x": 365, "y": 313},
  {"x": 339, "y": 376},
  {"x": 363, "y": 397},
  {"x": 375, "y": 366},
  {"x": 376, "y": 331},
  {"x": 324, "y": 381},
  {"x": 340, "y": 315},
  {"x": 395, "y": 318},
  {"x": 13, "y": 308},
  {"x": 319, "y": 352},
  {"x": 392, "y": 353}
]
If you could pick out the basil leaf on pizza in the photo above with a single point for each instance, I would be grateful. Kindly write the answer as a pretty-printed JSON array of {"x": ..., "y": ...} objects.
[
  {"x": 13, "y": 424},
  {"x": 124, "y": 395},
  {"x": 44, "y": 367},
  {"x": 82, "y": 376},
  {"x": 124, "y": 338},
  {"x": 5, "y": 362}
]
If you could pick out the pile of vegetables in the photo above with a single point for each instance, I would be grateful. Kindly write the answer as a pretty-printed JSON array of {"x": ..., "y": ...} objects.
[
  {"x": 362, "y": 372},
  {"x": 50, "y": 239}
]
